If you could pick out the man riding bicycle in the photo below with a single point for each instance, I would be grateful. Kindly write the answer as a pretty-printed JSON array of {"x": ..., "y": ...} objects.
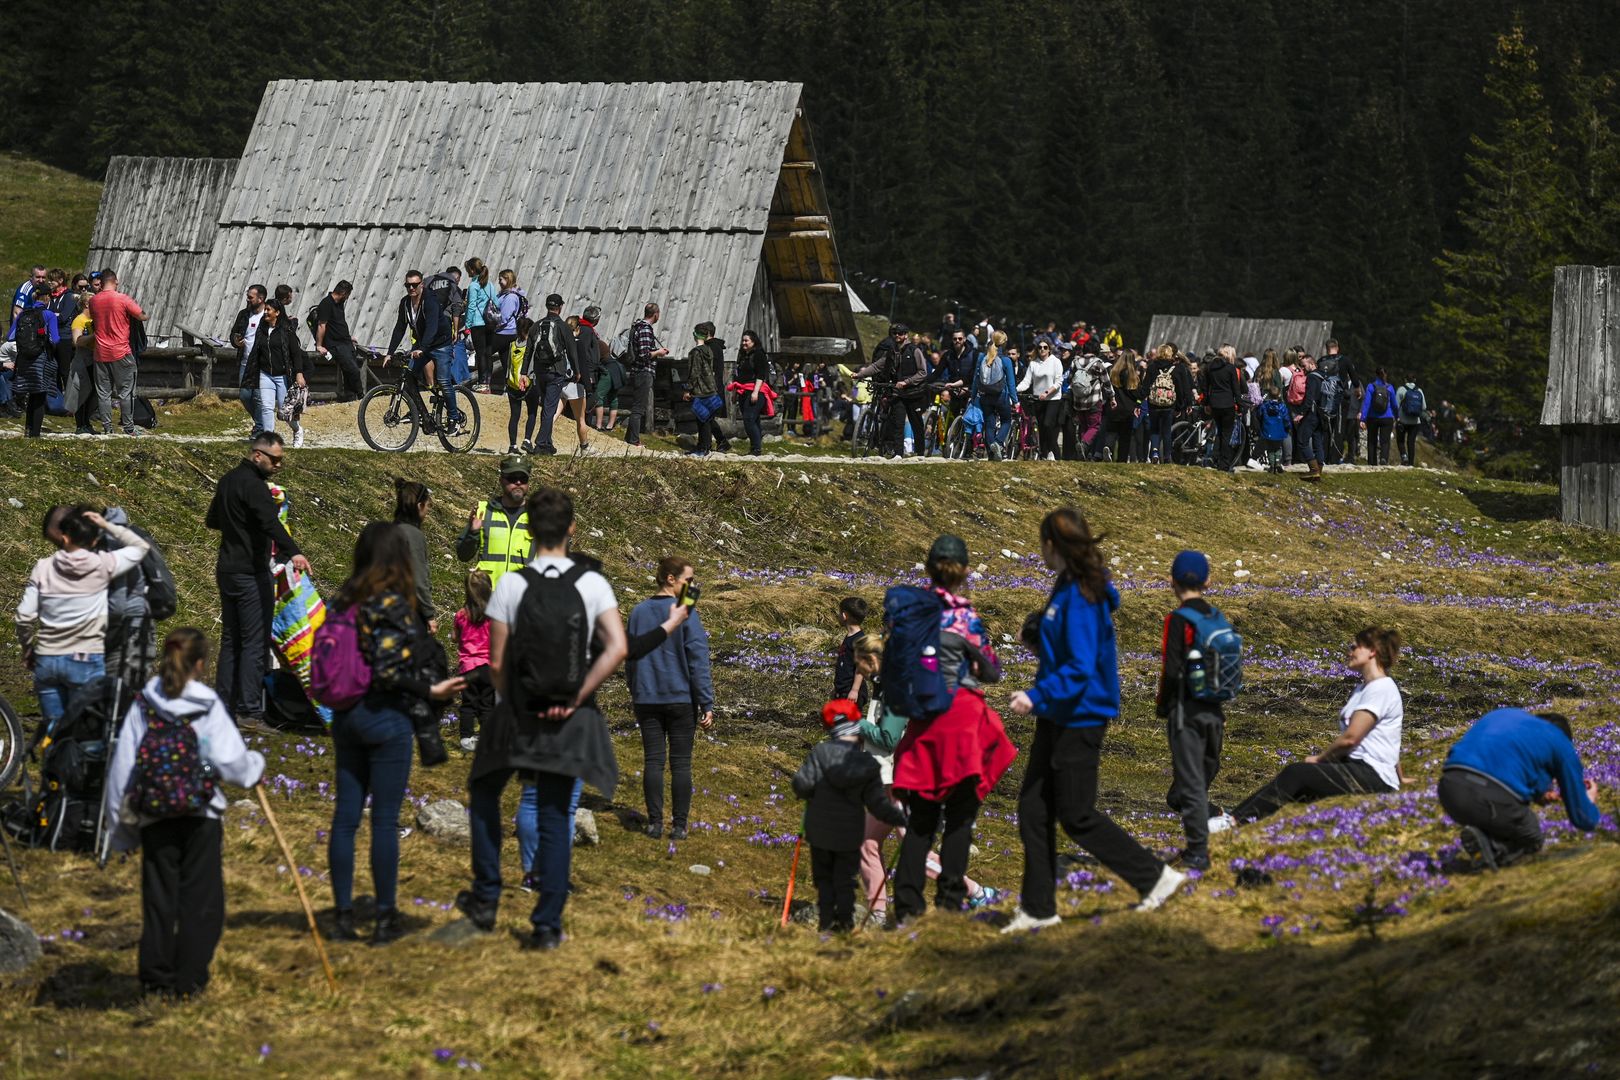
[{"x": 431, "y": 359}]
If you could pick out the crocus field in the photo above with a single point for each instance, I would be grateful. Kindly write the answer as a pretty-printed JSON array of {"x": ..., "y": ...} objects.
[{"x": 1338, "y": 938}]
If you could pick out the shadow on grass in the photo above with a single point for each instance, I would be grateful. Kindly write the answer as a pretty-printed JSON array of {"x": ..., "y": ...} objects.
[
  {"x": 89, "y": 985},
  {"x": 1513, "y": 505}
]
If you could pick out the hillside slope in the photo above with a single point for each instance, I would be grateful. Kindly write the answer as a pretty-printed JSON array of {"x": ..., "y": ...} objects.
[
  {"x": 1358, "y": 951},
  {"x": 48, "y": 215}
]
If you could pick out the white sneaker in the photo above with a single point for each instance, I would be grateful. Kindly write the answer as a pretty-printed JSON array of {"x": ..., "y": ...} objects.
[
  {"x": 298, "y": 438},
  {"x": 1256, "y": 466},
  {"x": 1023, "y": 920},
  {"x": 470, "y": 743},
  {"x": 1051, "y": 457},
  {"x": 1221, "y": 822},
  {"x": 1169, "y": 881}
]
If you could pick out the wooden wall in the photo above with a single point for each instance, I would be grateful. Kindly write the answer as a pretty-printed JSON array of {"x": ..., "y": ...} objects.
[
  {"x": 1211, "y": 330},
  {"x": 1589, "y": 476},
  {"x": 1583, "y": 362}
]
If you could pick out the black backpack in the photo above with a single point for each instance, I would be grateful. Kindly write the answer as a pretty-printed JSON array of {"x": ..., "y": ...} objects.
[
  {"x": 313, "y": 320},
  {"x": 1380, "y": 401},
  {"x": 550, "y": 648},
  {"x": 32, "y": 336},
  {"x": 162, "y": 596}
]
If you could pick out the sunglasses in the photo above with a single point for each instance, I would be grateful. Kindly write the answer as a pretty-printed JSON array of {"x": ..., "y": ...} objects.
[
  {"x": 413, "y": 284},
  {"x": 274, "y": 459},
  {"x": 515, "y": 478}
]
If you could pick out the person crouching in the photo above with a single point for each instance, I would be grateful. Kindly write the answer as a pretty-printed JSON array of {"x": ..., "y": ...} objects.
[
  {"x": 841, "y": 782},
  {"x": 182, "y": 880}
]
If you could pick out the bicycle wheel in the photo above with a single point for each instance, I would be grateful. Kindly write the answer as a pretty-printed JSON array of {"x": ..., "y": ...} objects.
[
  {"x": 387, "y": 420},
  {"x": 956, "y": 440},
  {"x": 462, "y": 437},
  {"x": 11, "y": 744},
  {"x": 868, "y": 431}
]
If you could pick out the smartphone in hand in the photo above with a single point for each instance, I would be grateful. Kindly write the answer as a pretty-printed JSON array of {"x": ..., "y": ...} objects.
[{"x": 689, "y": 594}]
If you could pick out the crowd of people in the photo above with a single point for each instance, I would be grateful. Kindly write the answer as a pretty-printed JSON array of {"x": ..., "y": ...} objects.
[{"x": 914, "y": 741}]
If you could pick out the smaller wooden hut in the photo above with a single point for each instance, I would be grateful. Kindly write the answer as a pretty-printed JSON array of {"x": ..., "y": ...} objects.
[{"x": 1583, "y": 393}]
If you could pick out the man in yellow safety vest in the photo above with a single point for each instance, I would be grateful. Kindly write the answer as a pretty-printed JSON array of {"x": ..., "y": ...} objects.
[{"x": 497, "y": 532}]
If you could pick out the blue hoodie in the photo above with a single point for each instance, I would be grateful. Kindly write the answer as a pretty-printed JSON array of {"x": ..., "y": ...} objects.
[
  {"x": 677, "y": 672},
  {"x": 1526, "y": 754},
  {"x": 1077, "y": 682}
]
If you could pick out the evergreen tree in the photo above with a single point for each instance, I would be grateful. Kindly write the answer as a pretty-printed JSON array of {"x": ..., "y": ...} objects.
[{"x": 1494, "y": 314}]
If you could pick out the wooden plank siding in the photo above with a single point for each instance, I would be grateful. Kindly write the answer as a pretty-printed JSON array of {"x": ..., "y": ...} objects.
[
  {"x": 1583, "y": 393},
  {"x": 1201, "y": 333}
]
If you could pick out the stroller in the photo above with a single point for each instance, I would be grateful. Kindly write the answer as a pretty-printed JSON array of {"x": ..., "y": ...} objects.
[{"x": 63, "y": 812}]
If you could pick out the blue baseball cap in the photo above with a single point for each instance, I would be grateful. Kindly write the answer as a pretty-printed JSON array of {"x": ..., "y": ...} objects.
[{"x": 1191, "y": 569}]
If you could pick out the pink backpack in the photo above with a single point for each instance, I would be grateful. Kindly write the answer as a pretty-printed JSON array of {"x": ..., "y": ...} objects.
[{"x": 338, "y": 673}]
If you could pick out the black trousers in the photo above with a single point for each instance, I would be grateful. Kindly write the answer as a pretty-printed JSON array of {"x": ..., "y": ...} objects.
[
  {"x": 835, "y": 874},
  {"x": 182, "y": 903},
  {"x": 1195, "y": 760},
  {"x": 477, "y": 700},
  {"x": 247, "y": 602},
  {"x": 904, "y": 411},
  {"x": 1303, "y": 782},
  {"x": 675, "y": 725},
  {"x": 1060, "y": 788},
  {"x": 1049, "y": 416},
  {"x": 1406, "y": 442},
  {"x": 34, "y": 411},
  {"x": 483, "y": 351},
  {"x": 1223, "y": 419},
  {"x": 957, "y": 813},
  {"x": 1378, "y": 435},
  {"x": 350, "y": 384},
  {"x": 1508, "y": 822},
  {"x": 640, "y": 388}
]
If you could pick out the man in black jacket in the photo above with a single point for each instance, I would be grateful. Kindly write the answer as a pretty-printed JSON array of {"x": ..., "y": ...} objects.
[
  {"x": 1310, "y": 431},
  {"x": 244, "y": 332},
  {"x": 1222, "y": 384},
  {"x": 333, "y": 340},
  {"x": 900, "y": 361},
  {"x": 245, "y": 517},
  {"x": 553, "y": 357},
  {"x": 430, "y": 332}
]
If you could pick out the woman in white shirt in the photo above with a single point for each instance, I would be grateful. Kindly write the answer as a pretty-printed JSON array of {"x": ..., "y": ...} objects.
[
  {"x": 1366, "y": 757},
  {"x": 1044, "y": 381}
]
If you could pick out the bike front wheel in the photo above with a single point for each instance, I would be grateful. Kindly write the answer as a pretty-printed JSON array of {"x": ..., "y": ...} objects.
[
  {"x": 11, "y": 744},
  {"x": 957, "y": 440},
  {"x": 860, "y": 444},
  {"x": 458, "y": 435},
  {"x": 387, "y": 420}
]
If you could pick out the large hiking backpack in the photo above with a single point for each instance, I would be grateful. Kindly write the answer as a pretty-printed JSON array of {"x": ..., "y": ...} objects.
[
  {"x": 549, "y": 650},
  {"x": 1412, "y": 403},
  {"x": 1380, "y": 400},
  {"x": 1296, "y": 387},
  {"x": 913, "y": 685},
  {"x": 1085, "y": 388},
  {"x": 33, "y": 338},
  {"x": 65, "y": 811},
  {"x": 171, "y": 778},
  {"x": 1162, "y": 394},
  {"x": 1222, "y": 650},
  {"x": 162, "y": 595},
  {"x": 339, "y": 676},
  {"x": 1328, "y": 366},
  {"x": 1332, "y": 394}
]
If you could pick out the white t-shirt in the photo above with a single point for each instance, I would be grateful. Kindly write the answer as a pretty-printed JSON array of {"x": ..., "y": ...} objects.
[
  {"x": 592, "y": 587},
  {"x": 1382, "y": 746},
  {"x": 252, "y": 332}
]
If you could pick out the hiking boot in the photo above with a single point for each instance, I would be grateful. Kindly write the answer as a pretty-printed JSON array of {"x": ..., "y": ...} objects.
[
  {"x": 1192, "y": 860},
  {"x": 653, "y": 829},
  {"x": 530, "y": 883},
  {"x": 254, "y": 724},
  {"x": 480, "y": 914},
  {"x": 1315, "y": 473},
  {"x": 544, "y": 939},
  {"x": 1477, "y": 844},
  {"x": 344, "y": 930},
  {"x": 389, "y": 927},
  {"x": 1023, "y": 920},
  {"x": 1169, "y": 881},
  {"x": 1221, "y": 822},
  {"x": 678, "y": 833},
  {"x": 545, "y": 451}
]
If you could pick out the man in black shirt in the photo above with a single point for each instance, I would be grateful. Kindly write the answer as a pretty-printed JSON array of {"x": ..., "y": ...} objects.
[
  {"x": 333, "y": 341},
  {"x": 245, "y": 516}
]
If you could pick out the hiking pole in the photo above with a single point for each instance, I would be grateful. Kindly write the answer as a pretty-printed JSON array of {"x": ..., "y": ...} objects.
[
  {"x": 303, "y": 897},
  {"x": 787, "y": 902}
]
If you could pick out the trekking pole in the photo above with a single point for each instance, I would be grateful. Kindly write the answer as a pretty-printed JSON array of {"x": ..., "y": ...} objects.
[
  {"x": 787, "y": 902},
  {"x": 303, "y": 897},
  {"x": 883, "y": 883}
]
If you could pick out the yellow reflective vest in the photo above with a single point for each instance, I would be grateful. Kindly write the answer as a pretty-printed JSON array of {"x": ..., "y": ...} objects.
[{"x": 503, "y": 543}]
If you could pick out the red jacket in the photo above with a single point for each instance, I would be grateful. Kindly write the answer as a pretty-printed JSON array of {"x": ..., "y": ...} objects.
[{"x": 966, "y": 741}]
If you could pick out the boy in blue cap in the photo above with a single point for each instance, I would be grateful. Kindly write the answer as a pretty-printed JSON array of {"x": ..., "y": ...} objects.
[{"x": 1196, "y": 727}]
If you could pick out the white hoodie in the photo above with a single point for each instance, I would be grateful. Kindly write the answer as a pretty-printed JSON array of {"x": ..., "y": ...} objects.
[
  {"x": 64, "y": 606},
  {"x": 218, "y": 741}
]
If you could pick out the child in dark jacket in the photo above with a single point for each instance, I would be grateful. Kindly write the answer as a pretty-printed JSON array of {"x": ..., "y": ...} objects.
[
  {"x": 1196, "y": 728},
  {"x": 841, "y": 782}
]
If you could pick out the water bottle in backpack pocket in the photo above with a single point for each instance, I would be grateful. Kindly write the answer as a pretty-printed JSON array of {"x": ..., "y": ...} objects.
[
  {"x": 1217, "y": 654},
  {"x": 913, "y": 685}
]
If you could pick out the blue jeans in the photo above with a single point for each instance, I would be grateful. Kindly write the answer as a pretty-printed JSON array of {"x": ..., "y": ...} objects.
[
  {"x": 997, "y": 415},
  {"x": 272, "y": 396},
  {"x": 553, "y": 793},
  {"x": 373, "y": 744},
  {"x": 444, "y": 360},
  {"x": 528, "y": 825},
  {"x": 56, "y": 677},
  {"x": 249, "y": 396}
]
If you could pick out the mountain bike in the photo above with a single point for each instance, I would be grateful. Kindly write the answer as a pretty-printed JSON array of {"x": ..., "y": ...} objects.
[
  {"x": 871, "y": 430},
  {"x": 392, "y": 414},
  {"x": 1023, "y": 441},
  {"x": 11, "y": 744}
]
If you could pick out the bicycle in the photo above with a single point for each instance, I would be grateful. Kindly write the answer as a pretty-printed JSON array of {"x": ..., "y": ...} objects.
[
  {"x": 1023, "y": 441},
  {"x": 11, "y": 744},
  {"x": 870, "y": 430},
  {"x": 392, "y": 414}
]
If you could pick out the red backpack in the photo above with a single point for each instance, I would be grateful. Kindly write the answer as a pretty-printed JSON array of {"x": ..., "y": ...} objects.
[{"x": 1296, "y": 387}]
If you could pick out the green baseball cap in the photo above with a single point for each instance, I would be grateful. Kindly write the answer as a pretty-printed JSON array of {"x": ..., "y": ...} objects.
[
  {"x": 515, "y": 464},
  {"x": 948, "y": 548}
]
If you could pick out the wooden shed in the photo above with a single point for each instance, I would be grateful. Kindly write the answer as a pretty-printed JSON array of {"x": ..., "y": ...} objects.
[
  {"x": 704, "y": 197},
  {"x": 1583, "y": 393},
  {"x": 1251, "y": 337},
  {"x": 156, "y": 226}
]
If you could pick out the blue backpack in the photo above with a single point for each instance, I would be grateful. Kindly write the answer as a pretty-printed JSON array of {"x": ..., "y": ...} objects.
[
  {"x": 1412, "y": 403},
  {"x": 913, "y": 685},
  {"x": 1223, "y": 654}
]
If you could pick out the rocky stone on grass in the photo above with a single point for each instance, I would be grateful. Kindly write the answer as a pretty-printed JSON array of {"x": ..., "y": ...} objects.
[
  {"x": 245, "y": 806},
  {"x": 19, "y": 945},
  {"x": 445, "y": 819},
  {"x": 805, "y": 913},
  {"x": 700, "y": 870},
  {"x": 460, "y": 932},
  {"x": 585, "y": 828}
]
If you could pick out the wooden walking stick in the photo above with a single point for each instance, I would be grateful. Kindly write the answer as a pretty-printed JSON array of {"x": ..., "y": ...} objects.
[
  {"x": 787, "y": 902},
  {"x": 303, "y": 897}
]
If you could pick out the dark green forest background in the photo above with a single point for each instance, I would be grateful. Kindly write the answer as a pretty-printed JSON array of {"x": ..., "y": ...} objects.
[{"x": 1410, "y": 169}]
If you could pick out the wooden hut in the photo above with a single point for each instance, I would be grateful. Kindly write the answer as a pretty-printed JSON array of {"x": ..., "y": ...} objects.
[
  {"x": 704, "y": 197},
  {"x": 1583, "y": 393},
  {"x": 156, "y": 226},
  {"x": 1196, "y": 334}
]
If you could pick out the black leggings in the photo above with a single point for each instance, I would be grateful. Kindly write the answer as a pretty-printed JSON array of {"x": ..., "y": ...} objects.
[
  {"x": 835, "y": 873},
  {"x": 182, "y": 903},
  {"x": 516, "y": 401},
  {"x": 1049, "y": 420},
  {"x": 1303, "y": 782},
  {"x": 678, "y": 725},
  {"x": 483, "y": 350},
  {"x": 1406, "y": 440},
  {"x": 500, "y": 351},
  {"x": 958, "y": 812},
  {"x": 35, "y": 409}
]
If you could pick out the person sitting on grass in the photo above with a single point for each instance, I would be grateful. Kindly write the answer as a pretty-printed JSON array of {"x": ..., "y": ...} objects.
[
  {"x": 1366, "y": 757},
  {"x": 842, "y": 784},
  {"x": 1507, "y": 760}
]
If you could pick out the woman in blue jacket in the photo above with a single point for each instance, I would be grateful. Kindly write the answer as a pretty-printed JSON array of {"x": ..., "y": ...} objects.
[
  {"x": 1378, "y": 417},
  {"x": 1076, "y": 694},
  {"x": 995, "y": 388},
  {"x": 479, "y": 296}
]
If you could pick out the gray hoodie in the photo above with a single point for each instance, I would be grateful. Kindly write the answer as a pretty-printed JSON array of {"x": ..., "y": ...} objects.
[{"x": 218, "y": 742}]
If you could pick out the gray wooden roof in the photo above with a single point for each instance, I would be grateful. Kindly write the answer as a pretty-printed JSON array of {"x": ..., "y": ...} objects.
[
  {"x": 156, "y": 225},
  {"x": 613, "y": 194},
  {"x": 1211, "y": 330},
  {"x": 1583, "y": 361}
]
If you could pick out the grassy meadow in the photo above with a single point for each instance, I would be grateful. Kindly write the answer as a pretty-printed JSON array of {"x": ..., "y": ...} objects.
[{"x": 1328, "y": 940}]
